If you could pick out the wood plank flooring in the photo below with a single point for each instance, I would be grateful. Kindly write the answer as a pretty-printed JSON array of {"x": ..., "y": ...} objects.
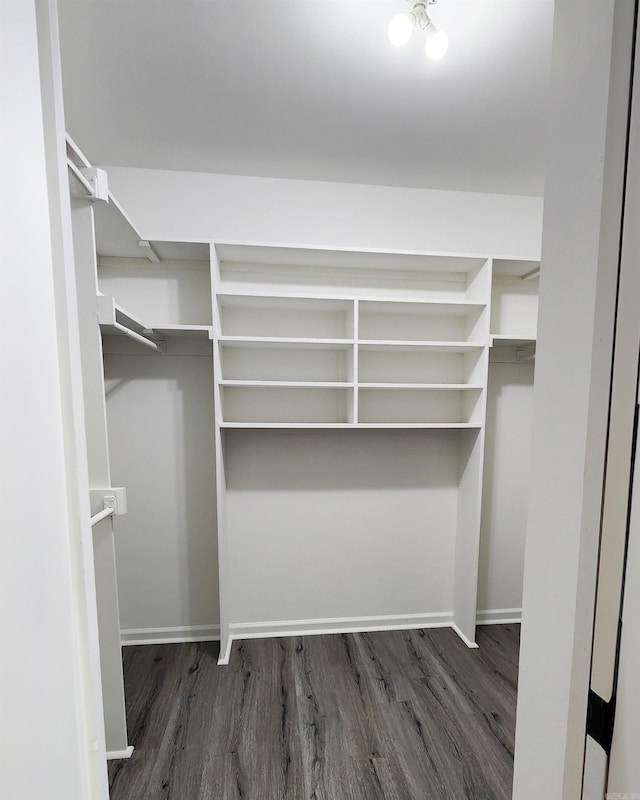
[{"x": 397, "y": 715}]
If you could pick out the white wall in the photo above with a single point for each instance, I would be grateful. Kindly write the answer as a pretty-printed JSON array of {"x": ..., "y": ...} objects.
[
  {"x": 184, "y": 206},
  {"x": 334, "y": 524},
  {"x": 506, "y": 486},
  {"x": 590, "y": 75},
  {"x": 161, "y": 439},
  {"x": 50, "y": 736}
]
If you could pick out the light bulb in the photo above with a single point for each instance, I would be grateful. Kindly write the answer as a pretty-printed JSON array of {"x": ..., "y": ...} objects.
[
  {"x": 437, "y": 43},
  {"x": 400, "y": 29}
]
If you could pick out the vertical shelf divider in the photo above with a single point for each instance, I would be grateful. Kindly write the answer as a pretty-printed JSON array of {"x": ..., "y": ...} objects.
[
  {"x": 221, "y": 483},
  {"x": 467, "y": 549},
  {"x": 356, "y": 361}
]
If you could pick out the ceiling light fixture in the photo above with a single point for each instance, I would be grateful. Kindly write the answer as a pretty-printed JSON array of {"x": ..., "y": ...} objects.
[{"x": 402, "y": 25}]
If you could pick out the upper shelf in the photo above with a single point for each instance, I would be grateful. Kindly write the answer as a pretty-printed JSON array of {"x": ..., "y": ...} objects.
[
  {"x": 333, "y": 262},
  {"x": 509, "y": 341},
  {"x": 516, "y": 269},
  {"x": 298, "y": 271},
  {"x": 114, "y": 320},
  {"x": 190, "y": 331}
]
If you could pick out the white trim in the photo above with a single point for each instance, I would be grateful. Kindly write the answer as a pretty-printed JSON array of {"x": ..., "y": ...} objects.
[
  {"x": 307, "y": 627},
  {"x": 225, "y": 652},
  {"x": 470, "y": 644},
  {"x": 113, "y": 754},
  {"x": 181, "y": 633},
  {"x": 310, "y": 627},
  {"x": 499, "y": 616}
]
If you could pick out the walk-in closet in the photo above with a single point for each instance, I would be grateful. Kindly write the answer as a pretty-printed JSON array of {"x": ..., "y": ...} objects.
[
  {"x": 313, "y": 441},
  {"x": 309, "y": 423},
  {"x": 319, "y": 399}
]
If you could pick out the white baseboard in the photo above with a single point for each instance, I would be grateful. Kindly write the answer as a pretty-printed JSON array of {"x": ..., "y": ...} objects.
[
  {"x": 113, "y": 754},
  {"x": 499, "y": 616},
  {"x": 307, "y": 627},
  {"x": 469, "y": 642},
  {"x": 184, "y": 633}
]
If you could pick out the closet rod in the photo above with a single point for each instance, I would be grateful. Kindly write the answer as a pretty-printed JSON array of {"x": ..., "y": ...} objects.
[
  {"x": 80, "y": 156},
  {"x": 137, "y": 336},
  {"x": 106, "y": 512},
  {"x": 76, "y": 171}
]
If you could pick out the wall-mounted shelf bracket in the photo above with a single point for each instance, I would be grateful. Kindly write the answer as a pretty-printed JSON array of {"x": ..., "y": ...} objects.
[
  {"x": 149, "y": 252},
  {"x": 98, "y": 183},
  {"x": 93, "y": 180},
  {"x": 114, "y": 497},
  {"x": 112, "y": 502}
]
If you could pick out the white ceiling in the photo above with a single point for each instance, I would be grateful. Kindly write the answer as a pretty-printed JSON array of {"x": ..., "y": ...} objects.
[{"x": 311, "y": 89}]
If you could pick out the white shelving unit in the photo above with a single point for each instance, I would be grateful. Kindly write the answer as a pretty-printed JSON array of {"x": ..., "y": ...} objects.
[
  {"x": 350, "y": 356},
  {"x": 309, "y": 339}
]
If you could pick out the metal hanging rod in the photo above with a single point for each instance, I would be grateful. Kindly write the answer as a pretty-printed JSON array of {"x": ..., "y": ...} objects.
[
  {"x": 138, "y": 337},
  {"x": 106, "y": 512}
]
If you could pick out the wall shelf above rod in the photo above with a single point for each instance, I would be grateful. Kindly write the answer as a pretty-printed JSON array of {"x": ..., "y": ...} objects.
[{"x": 115, "y": 320}]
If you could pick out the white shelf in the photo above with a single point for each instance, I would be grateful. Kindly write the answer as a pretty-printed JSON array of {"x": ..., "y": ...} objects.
[
  {"x": 281, "y": 403},
  {"x": 274, "y": 301},
  {"x": 114, "y": 320},
  {"x": 511, "y": 341},
  {"x": 190, "y": 331},
  {"x": 513, "y": 268},
  {"x": 290, "y": 384},
  {"x": 286, "y": 317},
  {"x": 424, "y": 304},
  {"x": 230, "y": 298},
  {"x": 285, "y": 341},
  {"x": 111, "y": 313},
  {"x": 429, "y": 386},
  {"x": 353, "y": 425},
  {"x": 420, "y": 405},
  {"x": 349, "y": 385},
  {"x": 304, "y": 271},
  {"x": 433, "y": 346},
  {"x": 284, "y": 425},
  {"x": 293, "y": 362},
  {"x": 419, "y": 366},
  {"x": 422, "y": 322}
]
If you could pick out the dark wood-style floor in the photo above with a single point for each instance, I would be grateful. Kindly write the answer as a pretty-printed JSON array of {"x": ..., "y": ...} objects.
[{"x": 402, "y": 715}]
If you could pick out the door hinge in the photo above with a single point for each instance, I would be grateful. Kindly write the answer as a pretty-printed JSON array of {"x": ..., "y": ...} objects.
[{"x": 600, "y": 716}]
